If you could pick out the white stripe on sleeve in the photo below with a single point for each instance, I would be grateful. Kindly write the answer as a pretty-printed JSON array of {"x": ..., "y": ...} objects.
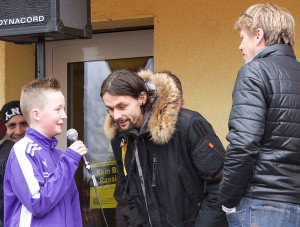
[{"x": 26, "y": 167}]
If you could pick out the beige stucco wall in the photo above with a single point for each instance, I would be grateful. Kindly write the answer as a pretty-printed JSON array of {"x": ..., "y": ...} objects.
[
  {"x": 194, "y": 39},
  {"x": 17, "y": 67},
  {"x": 2, "y": 72},
  {"x": 20, "y": 68}
]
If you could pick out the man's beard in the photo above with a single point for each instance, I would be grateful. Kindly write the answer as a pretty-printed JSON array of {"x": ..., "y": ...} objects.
[{"x": 127, "y": 127}]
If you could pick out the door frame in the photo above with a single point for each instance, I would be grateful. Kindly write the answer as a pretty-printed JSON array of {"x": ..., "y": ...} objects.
[{"x": 116, "y": 45}]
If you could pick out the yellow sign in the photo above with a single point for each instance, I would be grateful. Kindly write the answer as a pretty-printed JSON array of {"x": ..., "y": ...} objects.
[{"x": 106, "y": 176}]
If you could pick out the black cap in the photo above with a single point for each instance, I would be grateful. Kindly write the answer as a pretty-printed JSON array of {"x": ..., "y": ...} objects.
[
  {"x": 10, "y": 110},
  {"x": 2, "y": 128}
]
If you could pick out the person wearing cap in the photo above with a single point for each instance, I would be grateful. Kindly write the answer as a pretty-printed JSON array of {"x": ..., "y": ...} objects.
[
  {"x": 5, "y": 147},
  {"x": 13, "y": 126},
  {"x": 14, "y": 120}
]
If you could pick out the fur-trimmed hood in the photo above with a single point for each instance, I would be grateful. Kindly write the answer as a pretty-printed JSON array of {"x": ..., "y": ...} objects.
[{"x": 163, "y": 117}]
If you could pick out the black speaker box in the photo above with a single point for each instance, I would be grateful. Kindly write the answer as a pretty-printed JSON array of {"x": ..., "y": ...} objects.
[{"x": 30, "y": 21}]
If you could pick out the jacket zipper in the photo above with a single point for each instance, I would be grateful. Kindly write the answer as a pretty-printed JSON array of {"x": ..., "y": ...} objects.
[
  {"x": 154, "y": 163},
  {"x": 142, "y": 181}
]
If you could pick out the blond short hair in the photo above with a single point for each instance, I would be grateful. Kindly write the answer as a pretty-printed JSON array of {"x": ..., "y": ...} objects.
[
  {"x": 33, "y": 94},
  {"x": 277, "y": 23}
]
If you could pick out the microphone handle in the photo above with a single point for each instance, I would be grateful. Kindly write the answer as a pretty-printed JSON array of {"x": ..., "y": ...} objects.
[
  {"x": 87, "y": 164},
  {"x": 85, "y": 161}
]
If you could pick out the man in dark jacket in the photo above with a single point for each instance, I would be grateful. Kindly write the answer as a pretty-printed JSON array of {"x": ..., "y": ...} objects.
[
  {"x": 169, "y": 159},
  {"x": 13, "y": 126},
  {"x": 5, "y": 147},
  {"x": 261, "y": 179}
]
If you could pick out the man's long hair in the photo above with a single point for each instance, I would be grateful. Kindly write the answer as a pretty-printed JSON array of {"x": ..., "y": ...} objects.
[{"x": 126, "y": 83}]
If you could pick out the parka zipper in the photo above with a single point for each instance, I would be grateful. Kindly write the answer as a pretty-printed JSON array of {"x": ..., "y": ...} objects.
[
  {"x": 154, "y": 162},
  {"x": 157, "y": 190},
  {"x": 142, "y": 182}
]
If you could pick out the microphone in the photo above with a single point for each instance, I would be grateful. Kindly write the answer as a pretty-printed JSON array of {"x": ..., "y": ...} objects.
[{"x": 72, "y": 135}]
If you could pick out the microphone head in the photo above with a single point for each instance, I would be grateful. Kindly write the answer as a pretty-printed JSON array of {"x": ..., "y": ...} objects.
[{"x": 72, "y": 135}]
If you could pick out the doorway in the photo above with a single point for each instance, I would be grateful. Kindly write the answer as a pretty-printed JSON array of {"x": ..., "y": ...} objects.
[{"x": 81, "y": 66}]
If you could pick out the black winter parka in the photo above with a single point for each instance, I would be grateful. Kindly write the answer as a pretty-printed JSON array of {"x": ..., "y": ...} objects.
[{"x": 181, "y": 161}]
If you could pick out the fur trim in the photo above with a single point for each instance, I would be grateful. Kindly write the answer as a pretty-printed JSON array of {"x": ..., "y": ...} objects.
[
  {"x": 145, "y": 74},
  {"x": 163, "y": 118},
  {"x": 110, "y": 127},
  {"x": 165, "y": 110}
]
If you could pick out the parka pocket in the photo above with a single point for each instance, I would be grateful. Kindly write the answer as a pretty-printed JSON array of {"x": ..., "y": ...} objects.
[
  {"x": 208, "y": 159},
  {"x": 194, "y": 191}
]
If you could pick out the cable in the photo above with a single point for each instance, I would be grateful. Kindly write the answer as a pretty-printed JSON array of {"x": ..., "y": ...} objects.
[
  {"x": 72, "y": 135},
  {"x": 97, "y": 196}
]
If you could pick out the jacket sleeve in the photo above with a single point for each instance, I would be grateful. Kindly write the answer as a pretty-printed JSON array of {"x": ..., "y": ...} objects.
[
  {"x": 211, "y": 213},
  {"x": 77, "y": 219},
  {"x": 38, "y": 195},
  {"x": 207, "y": 154},
  {"x": 246, "y": 129}
]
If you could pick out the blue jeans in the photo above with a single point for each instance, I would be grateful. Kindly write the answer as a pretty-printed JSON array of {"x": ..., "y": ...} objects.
[{"x": 264, "y": 213}]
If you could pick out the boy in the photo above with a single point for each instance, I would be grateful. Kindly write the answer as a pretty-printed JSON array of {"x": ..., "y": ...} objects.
[{"x": 39, "y": 188}]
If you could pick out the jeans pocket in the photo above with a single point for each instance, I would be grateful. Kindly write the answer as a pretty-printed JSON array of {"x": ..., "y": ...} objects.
[
  {"x": 268, "y": 216},
  {"x": 236, "y": 219}
]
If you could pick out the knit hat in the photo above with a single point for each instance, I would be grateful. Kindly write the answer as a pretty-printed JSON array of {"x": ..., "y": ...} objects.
[
  {"x": 2, "y": 128},
  {"x": 10, "y": 110}
]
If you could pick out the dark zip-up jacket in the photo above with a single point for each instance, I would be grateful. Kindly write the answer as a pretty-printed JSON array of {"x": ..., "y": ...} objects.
[
  {"x": 181, "y": 160},
  {"x": 263, "y": 157},
  {"x": 5, "y": 147}
]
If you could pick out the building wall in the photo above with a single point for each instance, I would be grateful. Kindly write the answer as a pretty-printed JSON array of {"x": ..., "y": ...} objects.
[
  {"x": 2, "y": 72},
  {"x": 194, "y": 39},
  {"x": 17, "y": 68}
]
